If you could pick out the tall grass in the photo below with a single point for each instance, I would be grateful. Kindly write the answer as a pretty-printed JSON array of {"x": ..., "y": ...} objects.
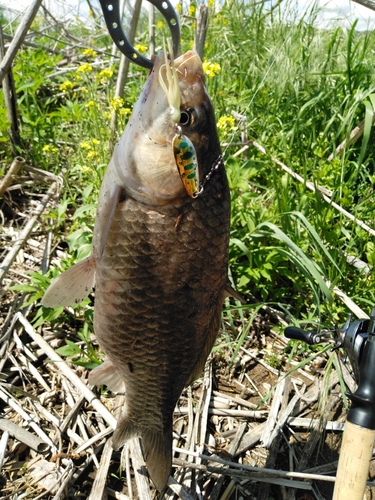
[{"x": 301, "y": 89}]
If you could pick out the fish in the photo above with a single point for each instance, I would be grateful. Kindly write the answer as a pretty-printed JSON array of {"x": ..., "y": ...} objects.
[{"x": 159, "y": 260}]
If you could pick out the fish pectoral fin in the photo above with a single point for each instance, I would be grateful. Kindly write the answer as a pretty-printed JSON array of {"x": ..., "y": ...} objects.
[
  {"x": 72, "y": 286},
  {"x": 231, "y": 292},
  {"x": 156, "y": 445},
  {"x": 106, "y": 374}
]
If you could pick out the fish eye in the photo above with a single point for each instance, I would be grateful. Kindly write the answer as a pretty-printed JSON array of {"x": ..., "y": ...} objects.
[{"x": 188, "y": 117}]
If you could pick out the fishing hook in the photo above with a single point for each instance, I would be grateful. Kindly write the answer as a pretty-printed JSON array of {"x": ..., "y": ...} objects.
[{"x": 111, "y": 12}]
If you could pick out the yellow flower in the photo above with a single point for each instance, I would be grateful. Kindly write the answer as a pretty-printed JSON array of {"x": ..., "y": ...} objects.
[
  {"x": 107, "y": 115},
  {"x": 140, "y": 47},
  {"x": 48, "y": 148},
  {"x": 95, "y": 141},
  {"x": 92, "y": 154},
  {"x": 104, "y": 75},
  {"x": 84, "y": 68},
  {"x": 192, "y": 10},
  {"x": 89, "y": 52},
  {"x": 67, "y": 85},
  {"x": 125, "y": 111},
  {"x": 116, "y": 103},
  {"x": 211, "y": 3},
  {"x": 159, "y": 24},
  {"x": 211, "y": 69},
  {"x": 90, "y": 104},
  {"x": 86, "y": 145},
  {"x": 226, "y": 124},
  {"x": 83, "y": 90},
  {"x": 178, "y": 7}
]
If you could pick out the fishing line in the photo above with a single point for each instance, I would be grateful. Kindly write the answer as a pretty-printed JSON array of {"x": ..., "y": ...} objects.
[{"x": 257, "y": 90}]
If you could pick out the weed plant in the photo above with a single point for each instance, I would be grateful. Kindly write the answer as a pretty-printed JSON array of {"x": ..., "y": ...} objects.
[{"x": 300, "y": 89}]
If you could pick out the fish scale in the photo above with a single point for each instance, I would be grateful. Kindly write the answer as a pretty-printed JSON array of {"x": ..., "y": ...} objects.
[{"x": 182, "y": 298}]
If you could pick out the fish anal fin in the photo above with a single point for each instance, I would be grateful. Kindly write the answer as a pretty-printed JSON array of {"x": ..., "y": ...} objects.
[
  {"x": 156, "y": 445},
  {"x": 72, "y": 286},
  {"x": 106, "y": 374}
]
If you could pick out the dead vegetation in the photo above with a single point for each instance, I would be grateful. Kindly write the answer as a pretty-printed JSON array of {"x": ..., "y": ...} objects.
[
  {"x": 245, "y": 430},
  {"x": 262, "y": 427}
]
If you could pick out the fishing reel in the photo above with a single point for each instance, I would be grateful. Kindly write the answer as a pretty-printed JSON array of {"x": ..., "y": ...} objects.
[
  {"x": 357, "y": 339},
  {"x": 351, "y": 337}
]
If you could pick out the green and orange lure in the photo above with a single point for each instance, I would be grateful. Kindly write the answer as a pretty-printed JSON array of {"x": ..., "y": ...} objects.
[
  {"x": 183, "y": 148},
  {"x": 187, "y": 164}
]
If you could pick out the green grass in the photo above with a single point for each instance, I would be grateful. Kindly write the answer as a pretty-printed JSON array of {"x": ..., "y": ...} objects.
[{"x": 302, "y": 91}]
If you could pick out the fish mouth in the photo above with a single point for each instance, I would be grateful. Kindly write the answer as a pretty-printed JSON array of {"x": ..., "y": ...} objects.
[{"x": 156, "y": 119}]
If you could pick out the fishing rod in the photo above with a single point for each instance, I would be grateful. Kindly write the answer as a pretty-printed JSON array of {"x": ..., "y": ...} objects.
[{"x": 357, "y": 339}]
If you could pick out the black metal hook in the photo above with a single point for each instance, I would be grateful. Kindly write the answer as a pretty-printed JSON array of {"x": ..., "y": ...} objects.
[{"x": 111, "y": 12}]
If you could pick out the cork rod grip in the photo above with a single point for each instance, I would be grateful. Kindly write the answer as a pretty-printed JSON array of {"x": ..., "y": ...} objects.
[{"x": 354, "y": 462}]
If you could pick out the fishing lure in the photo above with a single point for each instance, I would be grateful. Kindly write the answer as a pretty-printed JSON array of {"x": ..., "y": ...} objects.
[
  {"x": 187, "y": 163},
  {"x": 183, "y": 148}
]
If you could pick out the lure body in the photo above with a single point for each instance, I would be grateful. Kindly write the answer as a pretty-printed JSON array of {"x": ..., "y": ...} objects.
[{"x": 187, "y": 163}]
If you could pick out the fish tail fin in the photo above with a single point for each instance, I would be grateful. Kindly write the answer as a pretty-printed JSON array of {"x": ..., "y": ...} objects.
[
  {"x": 157, "y": 448},
  {"x": 156, "y": 445}
]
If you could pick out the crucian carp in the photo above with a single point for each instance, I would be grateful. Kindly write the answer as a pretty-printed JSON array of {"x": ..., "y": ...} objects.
[{"x": 159, "y": 260}]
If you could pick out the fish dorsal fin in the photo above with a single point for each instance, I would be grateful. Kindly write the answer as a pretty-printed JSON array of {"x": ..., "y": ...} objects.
[
  {"x": 72, "y": 286},
  {"x": 105, "y": 215}
]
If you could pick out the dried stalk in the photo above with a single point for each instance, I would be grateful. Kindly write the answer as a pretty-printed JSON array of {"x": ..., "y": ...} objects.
[
  {"x": 18, "y": 38},
  {"x": 24, "y": 234},
  {"x": 354, "y": 135},
  {"x": 352, "y": 306},
  {"x": 250, "y": 439},
  {"x": 124, "y": 66},
  {"x": 3, "y": 447},
  {"x": 274, "y": 440},
  {"x": 321, "y": 190},
  {"x": 10, "y": 175},
  {"x": 10, "y": 102},
  {"x": 201, "y": 30},
  {"x": 272, "y": 417},
  {"x": 69, "y": 471},
  {"x": 97, "y": 490},
  {"x": 307, "y": 423},
  {"x": 254, "y": 472},
  {"x": 141, "y": 476},
  {"x": 24, "y": 436},
  {"x": 151, "y": 29},
  {"x": 178, "y": 489},
  {"x": 245, "y": 475},
  {"x": 27, "y": 418},
  {"x": 68, "y": 372},
  {"x": 226, "y": 412}
]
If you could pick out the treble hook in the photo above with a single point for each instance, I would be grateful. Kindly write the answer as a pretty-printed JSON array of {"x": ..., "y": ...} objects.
[{"x": 111, "y": 12}]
